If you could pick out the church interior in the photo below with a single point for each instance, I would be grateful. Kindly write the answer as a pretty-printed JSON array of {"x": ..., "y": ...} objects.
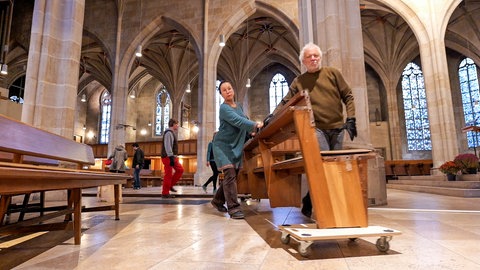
[{"x": 110, "y": 72}]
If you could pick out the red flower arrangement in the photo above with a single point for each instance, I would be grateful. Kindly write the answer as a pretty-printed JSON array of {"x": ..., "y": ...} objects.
[
  {"x": 466, "y": 161},
  {"x": 449, "y": 167}
]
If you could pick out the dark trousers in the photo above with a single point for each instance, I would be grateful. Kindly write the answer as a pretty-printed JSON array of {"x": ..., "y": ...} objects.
[
  {"x": 227, "y": 191},
  {"x": 136, "y": 178},
  {"x": 214, "y": 177}
]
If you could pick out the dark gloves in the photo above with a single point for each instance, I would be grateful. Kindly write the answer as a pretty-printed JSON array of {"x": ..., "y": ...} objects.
[
  {"x": 172, "y": 161},
  {"x": 351, "y": 127},
  {"x": 267, "y": 120}
]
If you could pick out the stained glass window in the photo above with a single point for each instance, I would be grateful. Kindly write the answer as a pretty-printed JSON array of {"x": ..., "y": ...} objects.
[
  {"x": 467, "y": 74},
  {"x": 415, "y": 107},
  {"x": 278, "y": 89},
  {"x": 162, "y": 111},
  {"x": 106, "y": 108}
]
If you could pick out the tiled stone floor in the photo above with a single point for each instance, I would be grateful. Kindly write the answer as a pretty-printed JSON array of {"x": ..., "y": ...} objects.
[{"x": 438, "y": 232}]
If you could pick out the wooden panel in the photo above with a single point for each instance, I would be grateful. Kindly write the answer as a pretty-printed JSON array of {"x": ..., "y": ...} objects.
[{"x": 344, "y": 187}]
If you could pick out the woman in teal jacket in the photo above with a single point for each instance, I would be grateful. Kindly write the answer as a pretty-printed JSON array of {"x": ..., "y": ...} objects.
[{"x": 228, "y": 149}]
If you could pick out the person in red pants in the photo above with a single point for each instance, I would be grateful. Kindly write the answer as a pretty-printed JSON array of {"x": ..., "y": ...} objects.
[{"x": 170, "y": 159}]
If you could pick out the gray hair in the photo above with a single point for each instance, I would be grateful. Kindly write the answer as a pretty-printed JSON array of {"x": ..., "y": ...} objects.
[{"x": 309, "y": 46}]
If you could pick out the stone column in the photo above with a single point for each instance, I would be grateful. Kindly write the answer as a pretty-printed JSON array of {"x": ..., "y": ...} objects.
[
  {"x": 53, "y": 66},
  {"x": 336, "y": 27},
  {"x": 119, "y": 94},
  {"x": 428, "y": 21}
]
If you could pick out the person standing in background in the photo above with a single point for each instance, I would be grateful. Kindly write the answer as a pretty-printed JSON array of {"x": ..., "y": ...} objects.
[
  {"x": 118, "y": 157},
  {"x": 228, "y": 149},
  {"x": 213, "y": 166},
  {"x": 137, "y": 164},
  {"x": 170, "y": 159}
]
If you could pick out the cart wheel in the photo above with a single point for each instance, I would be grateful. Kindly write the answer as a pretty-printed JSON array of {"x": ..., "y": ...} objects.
[
  {"x": 304, "y": 251},
  {"x": 285, "y": 238},
  {"x": 382, "y": 244}
]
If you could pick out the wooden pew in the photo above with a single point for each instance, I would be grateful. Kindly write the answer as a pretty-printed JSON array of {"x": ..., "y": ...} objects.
[
  {"x": 395, "y": 168},
  {"x": 21, "y": 145},
  {"x": 334, "y": 177}
]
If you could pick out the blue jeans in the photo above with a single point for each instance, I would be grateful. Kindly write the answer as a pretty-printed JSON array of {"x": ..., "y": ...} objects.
[{"x": 136, "y": 177}]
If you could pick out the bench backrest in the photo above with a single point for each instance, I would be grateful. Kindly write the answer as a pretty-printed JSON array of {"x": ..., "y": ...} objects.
[{"x": 25, "y": 141}]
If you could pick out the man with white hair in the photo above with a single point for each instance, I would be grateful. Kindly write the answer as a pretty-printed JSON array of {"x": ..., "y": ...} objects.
[{"x": 328, "y": 91}]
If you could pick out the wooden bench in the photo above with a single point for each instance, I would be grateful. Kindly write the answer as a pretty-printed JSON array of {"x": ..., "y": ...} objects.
[
  {"x": 62, "y": 168},
  {"x": 148, "y": 178},
  {"x": 395, "y": 168},
  {"x": 337, "y": 179}
]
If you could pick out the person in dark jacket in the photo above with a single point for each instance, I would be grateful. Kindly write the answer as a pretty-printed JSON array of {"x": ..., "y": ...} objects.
[
  {"x": 170, "y": 160},
  {"x": 137, "y": 164}
]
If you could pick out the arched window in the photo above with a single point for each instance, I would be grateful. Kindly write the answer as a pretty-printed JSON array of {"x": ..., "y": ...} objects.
[
  {"x": 467, "y": 74},
  {"x": 106, "y": 109},
  {"x": 162, "y": 112},
  {"x": 17, "y": 89},
  {"x": 278, "y": 89},
  {"x": 415, "y": 107}
]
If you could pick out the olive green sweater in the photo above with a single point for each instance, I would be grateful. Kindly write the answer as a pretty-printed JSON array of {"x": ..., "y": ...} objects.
[{"x": 327, "y": 89}]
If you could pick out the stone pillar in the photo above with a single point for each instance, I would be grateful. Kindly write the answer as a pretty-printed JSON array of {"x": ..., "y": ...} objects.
[
  {"x": 336, "y": 27},
  {"x": 53, "y": 66},
  {"x": 428, "y": 23}
]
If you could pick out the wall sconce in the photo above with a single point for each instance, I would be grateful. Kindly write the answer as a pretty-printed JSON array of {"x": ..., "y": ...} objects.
[
  {"x": 4, "y": 69},
  {"x": 222, "y": 41},
  {"x": 149, "y": 123},
  {"x": 195, "y": 127},
  {"x": 143, "y": 132},
  {"x": 248, "y": 83},
  {"x": 132, "y": 94},
  {"x": 84, "y": 98},
  {"x": 138, "y": 52},
  {"x": 90, "y": 135}
]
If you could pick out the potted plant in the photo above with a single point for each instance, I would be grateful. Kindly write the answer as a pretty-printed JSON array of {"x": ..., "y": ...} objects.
[
  {"x": 468, "y": 163},
  {"x": 450, "y": 168}
]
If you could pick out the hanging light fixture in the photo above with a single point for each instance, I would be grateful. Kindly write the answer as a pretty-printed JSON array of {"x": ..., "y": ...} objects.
[
  {"x": 248, "y": 84},
  {"x": 188, "y": 90},
  {"x": 84, "y": 98},
  {"x": 222, "y": 41},
  {"x": 84, "y": 127},
  {"x": 132, "y": 94},
  {"x": 138, "y": 52},
  {"x": 4, "y": 69}
]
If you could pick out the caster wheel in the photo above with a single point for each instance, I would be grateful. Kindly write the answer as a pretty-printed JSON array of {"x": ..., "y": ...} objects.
[
  {"x": 305, "y": 252},
  {"x": 285, "y": 239},
  {"x": 382, "y": 245}
]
